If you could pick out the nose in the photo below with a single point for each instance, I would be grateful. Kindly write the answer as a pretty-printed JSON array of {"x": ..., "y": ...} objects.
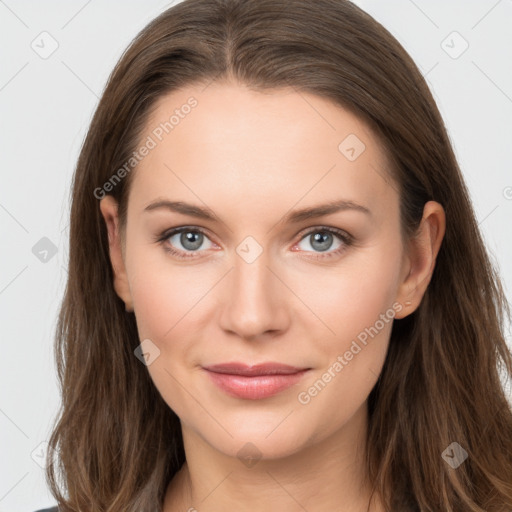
[{"x": 254, "y": 305}]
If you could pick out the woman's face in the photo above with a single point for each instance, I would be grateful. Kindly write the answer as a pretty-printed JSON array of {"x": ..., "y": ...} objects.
[{"x": 256, "y": 282}]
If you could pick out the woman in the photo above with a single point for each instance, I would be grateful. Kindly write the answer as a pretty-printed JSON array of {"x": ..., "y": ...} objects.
[{"x": 278, "y": 295}]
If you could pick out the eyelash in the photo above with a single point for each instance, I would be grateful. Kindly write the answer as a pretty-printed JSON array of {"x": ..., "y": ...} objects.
[{"x": 347, "y": 240}]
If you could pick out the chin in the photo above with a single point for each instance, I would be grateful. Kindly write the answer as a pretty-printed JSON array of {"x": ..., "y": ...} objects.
[{"x": 255, "y": 441}]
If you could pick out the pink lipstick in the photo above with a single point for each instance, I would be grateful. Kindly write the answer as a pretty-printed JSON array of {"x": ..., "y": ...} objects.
[{"x": 254, "y": 382}]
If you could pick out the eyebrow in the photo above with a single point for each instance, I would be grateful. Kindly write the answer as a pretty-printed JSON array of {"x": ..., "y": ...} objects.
[{"x": 292, "y": 217}]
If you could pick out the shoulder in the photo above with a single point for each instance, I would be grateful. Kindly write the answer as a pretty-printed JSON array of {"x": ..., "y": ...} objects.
[{"x": 52, "y": 509}]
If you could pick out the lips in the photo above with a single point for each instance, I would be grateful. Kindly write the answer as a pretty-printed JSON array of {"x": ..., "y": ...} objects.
[
  {"x": 254, "y": 382},
  {"x": 253, "y": 370}
]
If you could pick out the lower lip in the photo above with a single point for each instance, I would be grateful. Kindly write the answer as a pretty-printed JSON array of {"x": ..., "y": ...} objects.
[{"x": 254, "y": 388}]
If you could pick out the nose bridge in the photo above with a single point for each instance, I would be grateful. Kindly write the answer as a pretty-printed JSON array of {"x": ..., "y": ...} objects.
[{"x": 253, "y": 304}]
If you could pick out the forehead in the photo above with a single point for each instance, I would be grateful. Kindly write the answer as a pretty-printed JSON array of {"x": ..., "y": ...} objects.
[{"x": 238, "y": 144}]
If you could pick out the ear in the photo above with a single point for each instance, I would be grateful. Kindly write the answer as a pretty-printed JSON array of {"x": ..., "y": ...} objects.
[
  {"x": 421, "y": 257},
  {"x": 109, "y": 210}
]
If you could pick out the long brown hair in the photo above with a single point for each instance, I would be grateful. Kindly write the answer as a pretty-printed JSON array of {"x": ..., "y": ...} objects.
[{"x": 116, "y": 444}]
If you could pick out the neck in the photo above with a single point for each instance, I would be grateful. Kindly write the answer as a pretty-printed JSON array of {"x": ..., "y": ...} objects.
[{"x": 325, "y": 475}]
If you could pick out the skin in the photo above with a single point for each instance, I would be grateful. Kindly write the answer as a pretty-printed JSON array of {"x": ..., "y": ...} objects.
[{"x": 253, "y": 157}]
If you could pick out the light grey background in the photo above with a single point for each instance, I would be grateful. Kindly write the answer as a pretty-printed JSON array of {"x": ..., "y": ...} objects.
[{"x": 47, "y": 103}]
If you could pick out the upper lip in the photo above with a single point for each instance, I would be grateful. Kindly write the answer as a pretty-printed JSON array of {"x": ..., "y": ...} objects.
[{"x": 253, "y": 370}]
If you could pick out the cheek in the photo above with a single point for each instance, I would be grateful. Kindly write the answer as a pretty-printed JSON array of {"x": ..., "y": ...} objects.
[
  {"x": 168, "y": 306},
  {"x": 356, "y": 304},
  {"x": 166, "y": 296},
  {"x": 350, "y": 298},
  {"x": 358, "y": 308}
]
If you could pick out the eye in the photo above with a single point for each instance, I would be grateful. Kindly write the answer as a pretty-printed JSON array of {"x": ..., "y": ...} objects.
[
  {"x": 190, "y": 239},
  {"x": 321, "y": 239}
]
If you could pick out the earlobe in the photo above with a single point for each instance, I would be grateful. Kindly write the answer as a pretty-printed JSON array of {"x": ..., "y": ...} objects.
[
  {"x": 109, "y": 211},
  {"x": 421, "y": 258}
]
